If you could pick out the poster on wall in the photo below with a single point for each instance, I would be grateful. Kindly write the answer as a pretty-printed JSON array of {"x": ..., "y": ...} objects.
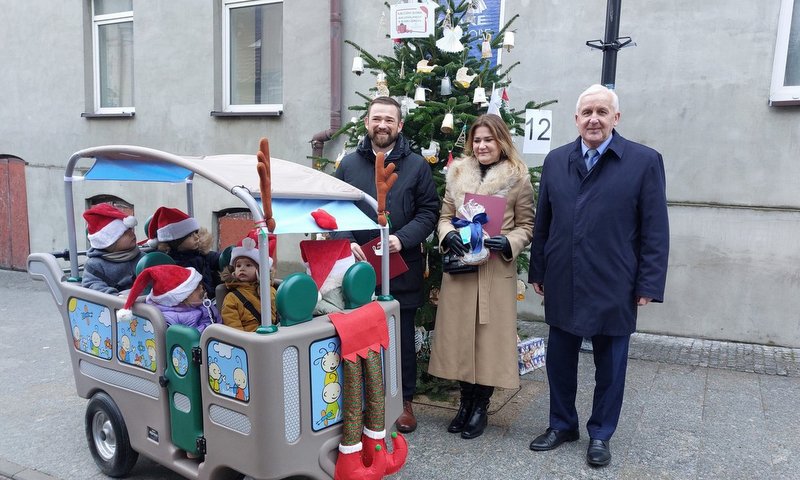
[{"x": 412, "y": 20}]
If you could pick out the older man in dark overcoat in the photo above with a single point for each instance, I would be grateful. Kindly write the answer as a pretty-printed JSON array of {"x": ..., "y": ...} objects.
[{"x": 599, "y": 252}]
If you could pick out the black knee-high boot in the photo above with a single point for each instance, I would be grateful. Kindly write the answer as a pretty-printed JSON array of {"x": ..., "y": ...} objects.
[
  {"x": 464, "y": 408},
  {"x": 479, "y": 417}
]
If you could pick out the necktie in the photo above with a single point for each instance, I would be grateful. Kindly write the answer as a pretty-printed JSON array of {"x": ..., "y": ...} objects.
[{"x": 591, "y": 158}]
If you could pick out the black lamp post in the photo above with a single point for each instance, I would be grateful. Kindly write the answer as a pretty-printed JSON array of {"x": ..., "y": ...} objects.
[{"x": 611, "y": 44}]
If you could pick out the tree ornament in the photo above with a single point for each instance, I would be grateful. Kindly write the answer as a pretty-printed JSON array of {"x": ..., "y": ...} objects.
[
  {"x": 447, "y": 123},
  {"x": 475, "y": 8},
  {"x": 419, "y": 95},
  {"x": 461, "y": 141},
  {"x": 402, "y": 69},
  {"x": 424, "y": 66},
  {"x": 449, "y": 161},
  {"x": 508, "y": 41},
  {"x": 451, "y": 36},
  {"x": 486, "y": 46},
  {"x": 358, "y": 64},
  {"x": 478, "y": 6},
  {"x": 406, "y": 105},
  {"x": 462, "y": 78},
  {"x": 431, "y": 154},
  {"x": 381, "y": 85},
  {"x": 521, "y": 287},
  {"x": 445, "y": 88},
  {"x": 479, "y": 96}
]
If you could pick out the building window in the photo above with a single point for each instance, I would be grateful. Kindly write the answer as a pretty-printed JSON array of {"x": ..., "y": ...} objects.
[
  {"x": 112, "y": 55},
  {"x": 785, "y": 88},
  {"x": 252, "y": 49}
]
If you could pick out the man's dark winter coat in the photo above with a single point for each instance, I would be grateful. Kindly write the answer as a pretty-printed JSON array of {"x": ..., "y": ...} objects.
[{"x": 413, "y": 207}]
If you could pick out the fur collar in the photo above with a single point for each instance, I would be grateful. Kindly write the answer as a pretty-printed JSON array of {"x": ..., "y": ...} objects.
[{"x": 464, "y": 176}]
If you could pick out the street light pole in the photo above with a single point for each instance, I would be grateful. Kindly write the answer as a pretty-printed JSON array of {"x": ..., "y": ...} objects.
[{"x": 611, "y": 44}]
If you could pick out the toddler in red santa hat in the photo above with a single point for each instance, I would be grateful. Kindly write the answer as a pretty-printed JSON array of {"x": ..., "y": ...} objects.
[
  {"x": 178, "y": 292},
  {"x": 111, "y": 263},
  {"x": 241, "y": 307},
  {"x": 181, "y": 237}
]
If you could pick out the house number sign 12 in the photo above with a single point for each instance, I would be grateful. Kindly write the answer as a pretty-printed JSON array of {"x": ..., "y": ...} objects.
[{"x": 538, "y": 131}]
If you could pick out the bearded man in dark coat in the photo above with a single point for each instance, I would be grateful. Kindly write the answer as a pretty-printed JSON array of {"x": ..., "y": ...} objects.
[
  {"x": 600, "y": 248},
  {"x": 413, "y": 207}
]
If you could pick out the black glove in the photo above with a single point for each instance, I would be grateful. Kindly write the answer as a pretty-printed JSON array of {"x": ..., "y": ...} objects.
[
  {"x": 498, "y": 243},
  {"x": 453, "y": 242}
]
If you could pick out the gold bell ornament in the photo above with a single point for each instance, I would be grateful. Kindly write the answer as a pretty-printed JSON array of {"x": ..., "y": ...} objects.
[
  {"x": 431, "y": 154},
  {"x": 358, "y": 65},
  {"x": 508, "y": 41},
  {"x": 479, "y": 96},
  {"x": 447, "y": 123},
  {"x": 462, "y": 78},
  {"x": 486, "y": 46},
  {"x": 445, "y": 88},
  {"x": 419, "y": 95}
]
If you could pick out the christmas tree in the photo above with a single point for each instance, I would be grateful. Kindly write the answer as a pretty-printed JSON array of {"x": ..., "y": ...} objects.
[{"x": 443, "y": 83}]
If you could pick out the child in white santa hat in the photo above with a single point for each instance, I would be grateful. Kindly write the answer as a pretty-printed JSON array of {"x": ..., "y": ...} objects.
[
  {"x": 180, "y": 236},
  {"x": 178, "y": 292},
  {"x": 112, "y": 258},
  {"x": 241, "y": 307}
]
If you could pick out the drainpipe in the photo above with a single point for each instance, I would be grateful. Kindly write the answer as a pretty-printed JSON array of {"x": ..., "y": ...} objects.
[{"x": 319, "y": 138}]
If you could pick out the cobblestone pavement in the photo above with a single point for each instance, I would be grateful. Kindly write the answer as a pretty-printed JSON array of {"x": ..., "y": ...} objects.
[{"x": 740, "y": 357}]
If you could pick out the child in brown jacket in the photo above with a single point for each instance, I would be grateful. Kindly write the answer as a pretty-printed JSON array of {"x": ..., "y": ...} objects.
[{"x": 241, "y": 307}]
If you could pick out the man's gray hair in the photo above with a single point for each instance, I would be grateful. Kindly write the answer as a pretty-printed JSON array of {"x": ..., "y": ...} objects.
[{"x": 597, "y": 88}]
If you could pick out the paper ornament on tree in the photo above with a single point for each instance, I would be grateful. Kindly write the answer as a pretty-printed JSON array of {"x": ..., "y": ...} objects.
[
  {"x": 382, "y": 85},
  {"x": 486, "y": 46},
  {"x": 358, "y": 65},
  {"x": 447, "y": 123},
  {"x": 451, "y": 40},
  {"x": 479, "y": 95},
  {"x": 462, "y": 138},
  {"x": 508, "y": 41},
  {"x": 464, "y": 79},
  {"x": 419, "y": 95},
  {"x": 445, "y": 88},
  {"x": 424, "y": 66},
  {"x": 451, "y": 36},
  {"x": 431, "y": 154},
  {"x": 449, "y": 161}
]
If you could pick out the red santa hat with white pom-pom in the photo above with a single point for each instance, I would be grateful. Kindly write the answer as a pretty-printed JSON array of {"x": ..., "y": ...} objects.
[
  {"x": 106, "y": 224},
  {"x": 172, "y": 284},
  {"x": 170, "y": 224},
  {"x": 248, "y": 247}
]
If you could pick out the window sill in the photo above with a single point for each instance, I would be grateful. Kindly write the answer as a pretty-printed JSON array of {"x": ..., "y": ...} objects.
[
  {"x": 108, "y": 115},
  {"x": 215, "y": 113}
]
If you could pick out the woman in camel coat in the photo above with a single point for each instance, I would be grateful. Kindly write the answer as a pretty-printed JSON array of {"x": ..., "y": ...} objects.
[{"x": 476, "y": 323}]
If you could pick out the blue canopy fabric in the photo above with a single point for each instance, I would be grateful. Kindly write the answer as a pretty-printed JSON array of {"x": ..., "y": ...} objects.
[
  {"x": 291, "y": 215},
  {"x": 294, "y": 216},
  {"x": 137, "y": 171}
]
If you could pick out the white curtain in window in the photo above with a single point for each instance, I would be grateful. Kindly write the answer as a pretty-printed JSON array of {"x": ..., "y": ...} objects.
[
  {"x": 256, "y": 53},
  {"x": 115, "y": 41}
]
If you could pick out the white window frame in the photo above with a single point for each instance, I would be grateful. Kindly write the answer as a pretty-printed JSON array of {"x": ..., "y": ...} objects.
[
  {"x": 780, "y": 94},
  {"x": 269, "y": 108},
  {"x": 97, "y": 22}
]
